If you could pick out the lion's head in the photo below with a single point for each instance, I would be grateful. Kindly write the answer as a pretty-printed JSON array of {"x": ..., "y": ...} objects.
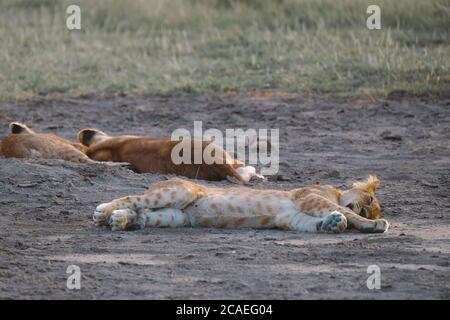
[{"x": 361, "y": 198}]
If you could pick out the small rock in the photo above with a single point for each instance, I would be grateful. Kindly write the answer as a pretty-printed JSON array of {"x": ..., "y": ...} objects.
[
  {"x": 27, "y": 185},
  {"x": 332, "y": 174},
  {"x": 280, "y": 177},
  {"x": 390, "y": 136}
]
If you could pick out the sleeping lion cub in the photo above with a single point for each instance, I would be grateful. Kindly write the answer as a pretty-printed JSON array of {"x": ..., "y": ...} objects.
[
  {"x": 180, "y": 203},
  {"x": 22, "y": 142},
  {"x": 154, "y": 155}
]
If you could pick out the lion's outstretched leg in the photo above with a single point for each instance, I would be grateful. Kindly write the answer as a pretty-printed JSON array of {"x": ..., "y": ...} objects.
[
  {"x": 333, "y": 222},
  {"x": 366, "y": 225},
  {"x": 127, "y": 219},
  {"x": 174, "y": 193},
  {"x": 166, "y": 218}
]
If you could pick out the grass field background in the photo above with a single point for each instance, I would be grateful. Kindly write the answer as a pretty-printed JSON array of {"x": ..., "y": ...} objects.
[{"x": 222, "y": 46}]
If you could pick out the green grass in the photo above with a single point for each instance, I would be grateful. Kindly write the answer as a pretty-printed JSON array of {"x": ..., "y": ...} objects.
[{"x": 204, "y": 46}]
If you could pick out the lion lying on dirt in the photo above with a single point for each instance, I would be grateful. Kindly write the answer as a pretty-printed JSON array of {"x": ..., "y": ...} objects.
[
  {"x": 154, "y": 155},
  {"x": 180, "y": 203},
  {"x": 22, "y": 142}
]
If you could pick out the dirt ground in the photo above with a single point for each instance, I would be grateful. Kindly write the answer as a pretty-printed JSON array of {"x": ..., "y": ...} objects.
[{"x": 46, "y": 206}]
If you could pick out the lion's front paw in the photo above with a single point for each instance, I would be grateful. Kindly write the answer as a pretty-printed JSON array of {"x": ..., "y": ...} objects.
[
  {"x": 119, "y": 219},
  {"x": 334, "y": 222},
  {"x": 101, "y": 215},
  {"x": 381, "y": 226},
  {"x": 376, "y": 226},
  {"x": 258, "y": 178}
]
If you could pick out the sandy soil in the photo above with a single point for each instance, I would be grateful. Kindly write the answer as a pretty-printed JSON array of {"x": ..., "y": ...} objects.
[{"x": 46, "y": 206}]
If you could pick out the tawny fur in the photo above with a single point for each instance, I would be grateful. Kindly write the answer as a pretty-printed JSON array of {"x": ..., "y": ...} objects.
[
  {"x": 23, "y": 142},
  {"x": 180, "y": 203},
  {"x": 153, "y": 155}
]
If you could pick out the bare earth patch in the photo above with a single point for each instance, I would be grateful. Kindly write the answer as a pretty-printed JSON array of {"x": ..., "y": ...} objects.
[{"x": 46, "y": 206}]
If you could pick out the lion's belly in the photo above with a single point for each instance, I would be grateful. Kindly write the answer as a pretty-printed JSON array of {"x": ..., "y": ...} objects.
[{"x": 239, "y": 210}]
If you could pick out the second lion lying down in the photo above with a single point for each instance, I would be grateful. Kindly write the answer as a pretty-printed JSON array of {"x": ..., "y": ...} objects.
[
  {"x": 181, "y": 203},
  {"x": 154, "y": 155}
]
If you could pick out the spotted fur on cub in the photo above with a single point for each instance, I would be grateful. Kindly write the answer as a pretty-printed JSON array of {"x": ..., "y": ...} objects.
[{"x": 181, "y": 203}]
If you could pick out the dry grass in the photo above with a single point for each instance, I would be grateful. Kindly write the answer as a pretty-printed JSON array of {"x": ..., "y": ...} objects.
[{"x": 199, "y": 46}]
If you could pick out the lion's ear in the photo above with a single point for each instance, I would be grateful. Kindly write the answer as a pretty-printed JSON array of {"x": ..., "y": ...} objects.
[
  {"x": 370, "y": 184},
  {"x": 17, "y": 128},
  {"x": 88, "y": 137}
]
